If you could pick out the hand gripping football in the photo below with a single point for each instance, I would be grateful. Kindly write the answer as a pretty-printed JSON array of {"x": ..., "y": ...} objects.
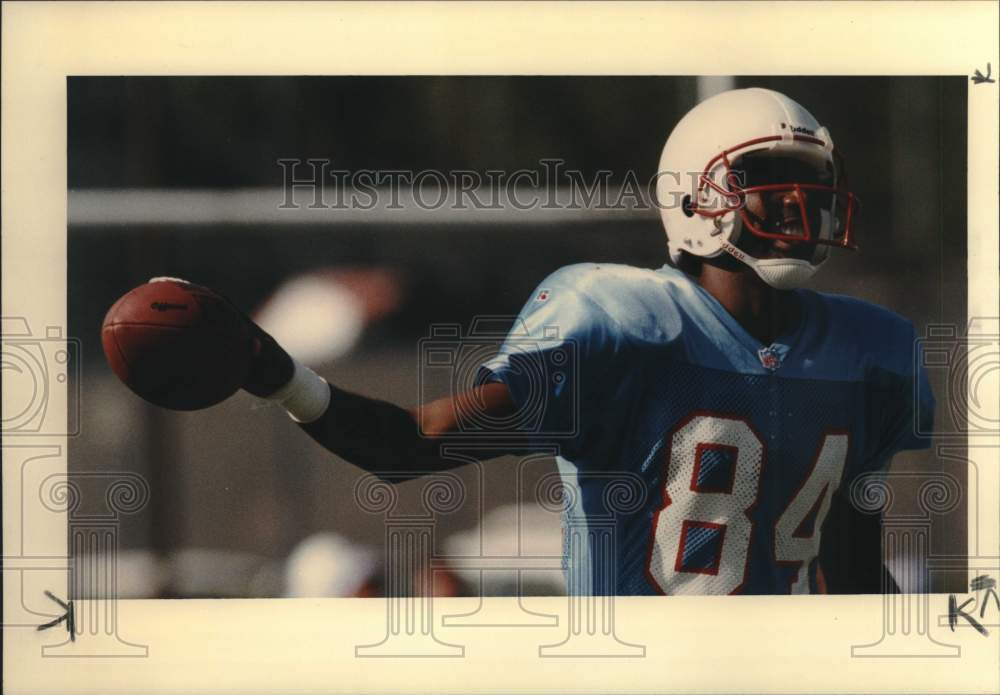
[{"x": 178, "y": 345}]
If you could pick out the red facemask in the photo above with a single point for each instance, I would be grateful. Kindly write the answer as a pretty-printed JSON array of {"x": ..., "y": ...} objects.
[{"x": 809, "y": 201}]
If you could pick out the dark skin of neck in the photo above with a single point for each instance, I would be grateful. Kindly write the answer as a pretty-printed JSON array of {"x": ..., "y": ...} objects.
[{"x": 763, "y": 311}]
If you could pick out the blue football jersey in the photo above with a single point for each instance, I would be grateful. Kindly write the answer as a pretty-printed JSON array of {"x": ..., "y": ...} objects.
[{"x": 694, "y": 459}]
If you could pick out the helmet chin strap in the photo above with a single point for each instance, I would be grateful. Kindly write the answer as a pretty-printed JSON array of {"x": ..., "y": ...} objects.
[
  {"x": 779, "y": 273},
  {"x": 783, "y": 273}
]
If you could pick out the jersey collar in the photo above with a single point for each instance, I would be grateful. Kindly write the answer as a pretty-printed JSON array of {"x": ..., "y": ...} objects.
[{"x": 762, "y": 354}]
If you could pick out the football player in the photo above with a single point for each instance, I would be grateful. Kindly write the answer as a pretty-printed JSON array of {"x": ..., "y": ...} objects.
[{"x": 743, "y": 403}]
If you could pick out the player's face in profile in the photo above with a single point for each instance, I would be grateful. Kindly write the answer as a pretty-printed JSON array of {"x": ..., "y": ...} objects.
[{"x": 781, "y": 211}]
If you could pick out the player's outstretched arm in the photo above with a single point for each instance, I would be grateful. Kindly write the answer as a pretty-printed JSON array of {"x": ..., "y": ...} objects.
[
  {"x": 378, "y": 436},
  {"x": 203, "y": 348},
  {"x": 386, "y": 439}
]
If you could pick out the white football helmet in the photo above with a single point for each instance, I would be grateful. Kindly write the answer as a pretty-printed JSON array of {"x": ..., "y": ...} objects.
[{"x": 702, "y": 200}]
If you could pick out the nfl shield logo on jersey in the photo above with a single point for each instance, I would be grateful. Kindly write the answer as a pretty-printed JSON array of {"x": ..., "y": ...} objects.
[{"x": 769, "y": 358}]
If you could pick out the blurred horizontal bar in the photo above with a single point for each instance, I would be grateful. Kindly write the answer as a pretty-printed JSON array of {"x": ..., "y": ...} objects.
[{"x": 256, "y": 206}]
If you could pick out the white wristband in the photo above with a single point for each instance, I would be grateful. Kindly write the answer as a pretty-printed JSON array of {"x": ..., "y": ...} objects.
[{"x": 306, "y": 397}]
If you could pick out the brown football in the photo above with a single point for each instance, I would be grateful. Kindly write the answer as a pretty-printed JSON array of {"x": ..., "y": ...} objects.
[{"x": 177, "y": 345}]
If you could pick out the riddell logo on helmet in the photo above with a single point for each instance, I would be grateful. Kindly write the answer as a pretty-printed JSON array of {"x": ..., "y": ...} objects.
[
  {"x": 733, "y": 250},
  {"x": 800, "y": 129}
]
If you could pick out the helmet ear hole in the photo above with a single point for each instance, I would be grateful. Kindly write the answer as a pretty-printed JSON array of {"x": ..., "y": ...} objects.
[{"x": 686, "y": 206}]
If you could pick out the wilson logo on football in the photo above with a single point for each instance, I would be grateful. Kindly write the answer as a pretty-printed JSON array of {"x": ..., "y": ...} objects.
[{"x": 166, "y": 306}]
